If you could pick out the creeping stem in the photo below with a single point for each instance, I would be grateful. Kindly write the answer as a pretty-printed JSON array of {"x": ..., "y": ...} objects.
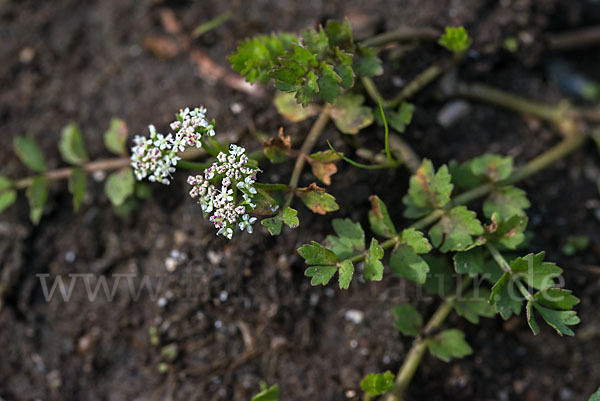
[
  {"x": 403, "y": 34},
  {"x": 311, "y": 140},
  {"x": 63, "y": 173},
  {"x": 557, "y": 152},
  {"x": 419, "y": 346}
]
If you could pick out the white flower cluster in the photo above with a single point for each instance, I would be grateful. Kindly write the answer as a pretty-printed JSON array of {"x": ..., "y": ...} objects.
[
  {"x": 155, "y": 157},
  {"x": 218, "y": 191}
]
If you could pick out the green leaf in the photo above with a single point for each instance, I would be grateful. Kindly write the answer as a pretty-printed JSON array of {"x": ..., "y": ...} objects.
[
  {"x": 556, "y": 298},
  {"x": 315, "y": 254},
  {"x": 575, "y": 243},
  {"x": 30, "y": 153},
  {"x": 278, "y": 149},
  {"x": 492, "y": 167},
  {"x": 373, "y": 266},
  {"x": 7, "y": 198},
  {"x": 428, "y": 190},
  {"x": 455, "y": 39},
  {"x": 350, "y": 238},
  {"x": 317, "y": 199},
  {"x": 405, "y": 262},
  {"x": 375, "y": 384},
  {"x": 379, "y": 218},
  {"x": 505, "y": 297},
  {"x": 339, "y": 34},
  {"x": 329, "y": 84},
  {"x": 402, "y": 118},
  {"x": 255, "y": 57},
  {"x": 536, "y": 273},
  {"x": 474, "y": 304},
  {"x": 345, "y": 274},
  {"x": 449, "y": 344},
  {"x": 119, "y": 186},
  {"x": 469, "y": 262},
  {"x": 5, "y": 183},
  {"x": 265, "y": 199},
  {"x": 325, "y": 156},
  {"x": 508, "y": 233},
  {"x": 399, "y": 119},
  {"x": 595, "y": 396},
  {"x": 288, "y": 107},
  {"x": 366, "y": 63},
  {"x": 416, "y": 240},
  {"x": 455, "y": 229},
  {"x": 533, "y": 325},
  {"x": 142, "y": 190},
  {"x": 320, "y": 274},
  {"x": 440, "y": 278},
  {"x": 273, "y": 224},
  {"x": 408, "y": 319},
  {"x": 77, "y": 186},
  {"x": 316, "y": 41},
  {"x": 268, "y": 394},
  {"x": 71, "y": 146},
  {"x": 116, "y": 137},
  {"x": 507, "y": 201},
  {"x": 559, "y": 320},
  {"x": 462, "y": 175},
  {"x": 350, "y": 115},
  {"x": 345, "y": 73},
  {"x": 304, "y": 57},
  {"x": 37, "y": 194},
  {"x": 290, "y": 217}
]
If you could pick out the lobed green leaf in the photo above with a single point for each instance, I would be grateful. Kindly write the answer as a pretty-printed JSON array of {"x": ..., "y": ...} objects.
[
  {"x": 449, "y": 344},
  {"x": 506, "y": 201},
  {"x": 428, "y": 190},
  {"x": 315, "y": 254},
  {"x": 379, "y": 218},
  {"x": 115, "y": 137},
  {"x": 37, "y": 194},
  {"x": 454, "y": 231},
  {"x": 119, "y": 186},
  {"x": 345, "y": 274},
  {"x": 408, "y": 320},
  {"x": 30, "y": 153},
  {"x": 373, "y": 270},
  {"x": 455, "y": 39},
  {"x": 375, "y": 384},
  {"x": 535, "y": 272},
  {"x": 350, "y": 115},
  {"x": 71, "y": 145},
  {"x": 77, "y": 186}
]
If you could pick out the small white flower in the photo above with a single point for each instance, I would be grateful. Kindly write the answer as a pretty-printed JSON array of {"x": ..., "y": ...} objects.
[{"x": 217, "y": 191}]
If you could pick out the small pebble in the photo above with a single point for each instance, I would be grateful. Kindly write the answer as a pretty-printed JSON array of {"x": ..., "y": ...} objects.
[
  {"x": 26, "y": 55},
  {"x": 355, "y": 316},
  {"x": 236, "y": 108},
  {"x": 170, "y": 264},
  {"x": 70, "y": 257},
  {"x": 452, "y": 112}
]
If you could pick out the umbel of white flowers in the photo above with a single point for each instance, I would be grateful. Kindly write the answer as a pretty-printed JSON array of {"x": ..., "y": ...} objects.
[
  {"x": 218, "y": 191},
  {"x": 155, "y": 157}
]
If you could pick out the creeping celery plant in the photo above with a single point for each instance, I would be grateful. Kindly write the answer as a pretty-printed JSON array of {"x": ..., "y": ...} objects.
[{"x": 325, "y": 65}]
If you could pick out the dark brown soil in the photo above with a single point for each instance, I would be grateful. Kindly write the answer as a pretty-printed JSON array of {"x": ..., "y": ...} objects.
[{"x": 241, "y": 312}]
